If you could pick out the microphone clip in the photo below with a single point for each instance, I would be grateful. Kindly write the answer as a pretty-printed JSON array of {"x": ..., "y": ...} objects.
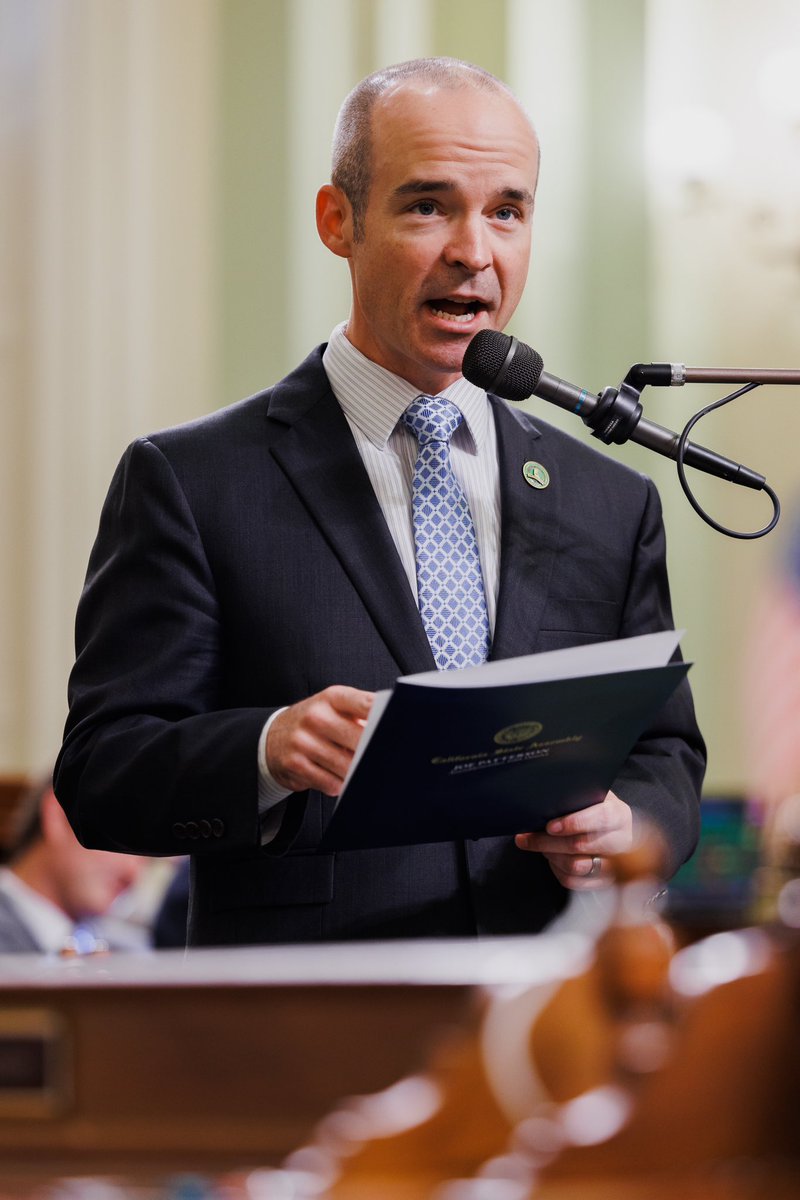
[
  {"x": 616, "y": 414},
  {"x": 618, "y": 411}
]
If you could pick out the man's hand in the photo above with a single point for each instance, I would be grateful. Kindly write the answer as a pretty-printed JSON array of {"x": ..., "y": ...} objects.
[
  {"x": 575, "y": 845},
  {"x": 311, "y": 743}
]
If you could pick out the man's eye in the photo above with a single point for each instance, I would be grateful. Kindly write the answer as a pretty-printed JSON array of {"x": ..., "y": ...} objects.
[
  {"x": 425, "y": 208},
  {"x": 506, "y": 214}
]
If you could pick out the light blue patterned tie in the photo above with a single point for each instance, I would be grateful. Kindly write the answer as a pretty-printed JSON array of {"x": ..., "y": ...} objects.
[{"x": 452, "y": 602}]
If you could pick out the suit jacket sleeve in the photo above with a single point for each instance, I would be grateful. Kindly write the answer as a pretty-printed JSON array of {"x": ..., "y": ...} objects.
[{"x": 153, "y": 759}]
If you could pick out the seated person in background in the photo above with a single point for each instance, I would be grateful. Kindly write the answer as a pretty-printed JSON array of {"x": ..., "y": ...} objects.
[{"x": 52, "y": 889}]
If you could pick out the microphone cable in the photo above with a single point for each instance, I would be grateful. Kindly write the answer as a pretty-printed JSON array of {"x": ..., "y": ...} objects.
[{"x": 689, "y": 494}]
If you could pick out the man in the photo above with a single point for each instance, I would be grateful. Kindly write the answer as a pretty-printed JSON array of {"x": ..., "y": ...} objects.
[
  {"x": 53, "y": 891},
  {"x": 254, "y": 578}
]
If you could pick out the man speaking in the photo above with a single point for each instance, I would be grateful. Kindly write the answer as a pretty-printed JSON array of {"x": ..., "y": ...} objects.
[{"x": 260, "y": 572}]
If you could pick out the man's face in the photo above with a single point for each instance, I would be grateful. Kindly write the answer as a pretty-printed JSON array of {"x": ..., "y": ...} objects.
[
  {"x": 91, "y": 880},
  {"x": 82, "y": 882},
  {"x": 447, "y": 230}
]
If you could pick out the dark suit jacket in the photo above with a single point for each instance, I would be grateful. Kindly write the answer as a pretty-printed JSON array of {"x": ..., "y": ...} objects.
[{"x": 243, "y": 563}]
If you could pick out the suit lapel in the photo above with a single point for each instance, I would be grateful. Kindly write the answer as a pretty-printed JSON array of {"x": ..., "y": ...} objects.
[
  {"x": 530, "y": 525},
  {"x": 318, "y": 455}
]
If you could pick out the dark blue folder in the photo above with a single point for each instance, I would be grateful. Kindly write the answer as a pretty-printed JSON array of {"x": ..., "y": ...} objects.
[{"x": 446, "y": 761}]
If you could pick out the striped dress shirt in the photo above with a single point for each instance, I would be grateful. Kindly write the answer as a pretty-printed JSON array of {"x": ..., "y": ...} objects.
[{"x": 373, "y": 400}]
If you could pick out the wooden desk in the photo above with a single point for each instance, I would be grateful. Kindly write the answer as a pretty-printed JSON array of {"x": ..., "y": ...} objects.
[{"x": 222, "y": 1058}]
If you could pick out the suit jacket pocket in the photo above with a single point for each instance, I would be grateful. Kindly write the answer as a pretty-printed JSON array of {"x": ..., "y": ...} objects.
[
  {"x": 565, "y": 624},
  {"x": 266, "y": 881}
]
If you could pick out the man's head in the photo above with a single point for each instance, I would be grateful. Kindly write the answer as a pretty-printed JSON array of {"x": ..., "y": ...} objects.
[
  {"x": 431, "y": 201},
  {"x": 352, "y": 163},
  {"x": 44, "y": 852}
]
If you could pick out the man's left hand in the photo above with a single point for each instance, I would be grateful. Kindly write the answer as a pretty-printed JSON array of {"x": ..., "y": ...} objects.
[{"x": 577, "y": 846}]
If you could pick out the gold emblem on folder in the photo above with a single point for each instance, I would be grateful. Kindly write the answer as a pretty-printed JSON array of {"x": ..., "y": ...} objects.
[{"x": 514, "y": 735}]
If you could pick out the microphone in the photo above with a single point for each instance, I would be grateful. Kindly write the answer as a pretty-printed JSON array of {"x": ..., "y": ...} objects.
[{"x": 511, "y": 369}]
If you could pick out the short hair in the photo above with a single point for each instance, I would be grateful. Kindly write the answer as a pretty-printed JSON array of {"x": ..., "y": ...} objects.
[
  {"x": 352, "y": 136},
  {"x": 25, "y": 826}
]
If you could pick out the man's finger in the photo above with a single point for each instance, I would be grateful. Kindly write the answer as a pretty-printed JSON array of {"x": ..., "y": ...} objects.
[
  {"x": 336, "y": 715},
  {"x": 610, "y": 814},
  {"x": 349, "y": 701}
]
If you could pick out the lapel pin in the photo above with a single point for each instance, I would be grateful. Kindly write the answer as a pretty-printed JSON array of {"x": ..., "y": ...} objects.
[{"x": 535, "y": 475}]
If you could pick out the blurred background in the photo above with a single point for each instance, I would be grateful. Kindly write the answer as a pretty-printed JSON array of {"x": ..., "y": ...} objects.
[{"x": 158, "y": 259}]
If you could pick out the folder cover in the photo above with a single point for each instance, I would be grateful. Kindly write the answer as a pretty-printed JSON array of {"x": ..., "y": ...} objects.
[{"x": 501, "y": 748}]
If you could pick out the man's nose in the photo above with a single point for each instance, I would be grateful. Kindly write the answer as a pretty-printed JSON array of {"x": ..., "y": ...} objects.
[{"x": 468, "y": 246}]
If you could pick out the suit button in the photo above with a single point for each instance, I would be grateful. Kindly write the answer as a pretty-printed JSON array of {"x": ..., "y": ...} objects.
[
  {"x": 217, "y": 827},
  {"x": 192, "y": 829},
  {"x": 179, "y": 830},
  {"x": 205, "y": 829}
]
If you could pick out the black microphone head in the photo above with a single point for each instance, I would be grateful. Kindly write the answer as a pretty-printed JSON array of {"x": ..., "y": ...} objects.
[{"x": 500, "y": 364}]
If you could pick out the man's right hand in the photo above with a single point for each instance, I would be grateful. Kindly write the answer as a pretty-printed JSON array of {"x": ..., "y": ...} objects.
[{"x": 311, "y": 743}]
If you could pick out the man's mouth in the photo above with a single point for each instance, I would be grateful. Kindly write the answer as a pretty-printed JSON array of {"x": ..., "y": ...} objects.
[{"x": 460, "y": 312}]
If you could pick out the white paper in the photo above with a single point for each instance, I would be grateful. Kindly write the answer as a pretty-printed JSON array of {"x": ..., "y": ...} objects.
[{"x": 595, "y": 658}]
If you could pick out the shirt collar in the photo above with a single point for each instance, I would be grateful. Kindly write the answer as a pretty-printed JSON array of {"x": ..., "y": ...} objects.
[{"x": 374, "y": 399}]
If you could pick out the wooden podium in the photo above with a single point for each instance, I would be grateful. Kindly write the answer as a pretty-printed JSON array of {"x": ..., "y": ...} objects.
[
  {"x": 606, "y": 1068},
  {"x": 218, "y": 1059}
]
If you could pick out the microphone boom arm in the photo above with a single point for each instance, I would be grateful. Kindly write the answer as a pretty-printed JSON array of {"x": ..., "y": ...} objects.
[
  {"x": 615, "y": 417},
  {"x": 676, "y": 375},
  {"x": 509, "y": 368}
]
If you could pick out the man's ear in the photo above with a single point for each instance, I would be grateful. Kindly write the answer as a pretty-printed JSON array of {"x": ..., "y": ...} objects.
[{"x": 335, "y": 220}]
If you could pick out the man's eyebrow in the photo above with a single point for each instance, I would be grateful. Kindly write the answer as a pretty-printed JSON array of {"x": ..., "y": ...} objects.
[
  {"x": 521, "y": 195},
  {"x": 416, "y": 187}
]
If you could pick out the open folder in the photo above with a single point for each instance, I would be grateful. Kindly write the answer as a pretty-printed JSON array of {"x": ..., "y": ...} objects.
[{"x": 501, "y": 748}]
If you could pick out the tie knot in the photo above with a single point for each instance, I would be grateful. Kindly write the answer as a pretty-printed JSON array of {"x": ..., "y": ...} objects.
[{"x": 432, "y": 418}]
